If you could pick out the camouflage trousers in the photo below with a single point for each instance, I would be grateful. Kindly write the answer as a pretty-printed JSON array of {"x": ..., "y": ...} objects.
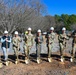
[
  {"x": 62, "y": 47},
  {"x": 73, "y": 51},
  {"x": 49, "y": 46},
  {"x": 38, "y": 50},
  {"x": 16, "y": 52},
  {"x": 26, "y": 51}
]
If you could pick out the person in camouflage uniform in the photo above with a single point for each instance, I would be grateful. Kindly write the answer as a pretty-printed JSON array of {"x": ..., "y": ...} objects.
[
  {"x": 73, "y": 48},
  {"x": 38, "y": 40},
  {"x": 16, "y": 46},
  {"x": 62, "y": 42},
  {"x": 28, "y": 43},
  {"x": 50, "y": 41}
]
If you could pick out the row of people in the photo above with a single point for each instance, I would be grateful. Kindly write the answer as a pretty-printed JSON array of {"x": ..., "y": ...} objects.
[{"x": 29, "y": 41}]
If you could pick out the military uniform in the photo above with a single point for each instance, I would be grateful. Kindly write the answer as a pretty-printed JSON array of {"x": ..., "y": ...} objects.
[
  {"x": 28, "y": 43},
  {"x": 73, "y": 48},
  {"x": 39, "y": 40},
  {"x": 62, "y": 43},
  {"x": 50, "y": 41},
  {"x": 16, "y": 47}
]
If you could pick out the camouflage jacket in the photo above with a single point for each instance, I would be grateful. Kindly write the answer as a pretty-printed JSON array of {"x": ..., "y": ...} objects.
[
  {"x": 62, "y": 38},
  {"x": 29, "y": 39},
  {"x": 50, "y": 38},
  {"x": 16, "y": 42}
]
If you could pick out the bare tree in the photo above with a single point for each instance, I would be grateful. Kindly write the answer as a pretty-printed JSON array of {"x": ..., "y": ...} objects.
[{"x": 20, "y": 14}]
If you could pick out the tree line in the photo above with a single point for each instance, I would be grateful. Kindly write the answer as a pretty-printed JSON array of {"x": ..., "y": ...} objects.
[{"x": 21, "y": 14}]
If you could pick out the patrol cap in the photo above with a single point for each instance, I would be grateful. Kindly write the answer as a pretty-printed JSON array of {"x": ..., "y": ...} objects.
[
  {"x": 63, "y": 28},
  {"x": 5, "y": 32},
  {"x": 29, "y": 29},
  {"x": 52, "y": 28},
  {"x": 39, "y": 30},
  {"x": 16, "y": 32}
]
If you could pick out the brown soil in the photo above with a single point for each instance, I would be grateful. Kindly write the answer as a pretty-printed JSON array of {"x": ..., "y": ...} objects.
[{"x": 44, "y": 68}]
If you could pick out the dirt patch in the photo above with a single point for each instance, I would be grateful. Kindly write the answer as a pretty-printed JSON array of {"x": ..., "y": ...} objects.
[{"x": 44, "y": 68}]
